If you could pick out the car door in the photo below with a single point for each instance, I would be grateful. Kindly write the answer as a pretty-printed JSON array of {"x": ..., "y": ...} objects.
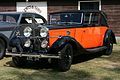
[
  {"x": 98, "y": 30},
  {"x": 84, "y": 34},
  {"x": 91, "y": 34}
]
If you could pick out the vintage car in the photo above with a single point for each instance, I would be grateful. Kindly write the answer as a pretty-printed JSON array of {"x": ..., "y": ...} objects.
[{"x": 27, "y": 36}]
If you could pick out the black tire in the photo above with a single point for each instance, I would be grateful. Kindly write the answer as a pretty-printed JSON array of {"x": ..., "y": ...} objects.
[
  {"x": 19, "y": 61},
  {"x": 65, "y": 62},
  {"x": 2, "y": 49},
  {"x": 109, "y": 46}
]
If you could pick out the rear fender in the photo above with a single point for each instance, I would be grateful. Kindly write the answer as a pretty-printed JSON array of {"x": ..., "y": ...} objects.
[{"x": 109, "y": 33}]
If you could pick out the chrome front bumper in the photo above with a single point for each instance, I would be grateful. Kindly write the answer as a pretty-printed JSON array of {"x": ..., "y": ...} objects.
[{"x": 38, "y": 56}]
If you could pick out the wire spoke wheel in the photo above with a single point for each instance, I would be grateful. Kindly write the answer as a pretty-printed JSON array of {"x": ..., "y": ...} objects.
[
  {"x": 65, "y": 62},
  {"x": 67, "y": 58}
]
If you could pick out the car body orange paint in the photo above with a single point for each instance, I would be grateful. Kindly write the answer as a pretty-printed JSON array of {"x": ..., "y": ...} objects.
[
  {"x": 54, "y": 34},
  {"x": 88, "y": 37}
]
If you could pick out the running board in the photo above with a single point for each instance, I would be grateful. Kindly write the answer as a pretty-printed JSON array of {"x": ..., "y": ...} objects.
[
  {"x": 30, "y": 55},
  {"x": 96, "y": 49}
]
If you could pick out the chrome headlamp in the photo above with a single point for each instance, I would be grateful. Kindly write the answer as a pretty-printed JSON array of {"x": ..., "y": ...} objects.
[
  {"x": 44, "y": 32},
  {"x": 27, "y": 43},
  {"x": 44, "y": 43},
  {"x": 27, "y": 31}
]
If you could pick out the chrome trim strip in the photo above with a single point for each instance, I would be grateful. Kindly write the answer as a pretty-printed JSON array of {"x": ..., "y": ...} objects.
[
  {"x": 38, "y": 37},
  {"x": 54, "y": 37}
]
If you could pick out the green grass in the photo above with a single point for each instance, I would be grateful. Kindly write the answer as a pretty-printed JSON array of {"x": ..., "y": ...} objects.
[{"x": 101, "y": 68}]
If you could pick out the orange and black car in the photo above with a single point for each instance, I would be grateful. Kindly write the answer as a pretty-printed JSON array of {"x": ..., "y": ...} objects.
[
  {"x": 79, "y": 32},
  {"x": 67, "y": 34}
]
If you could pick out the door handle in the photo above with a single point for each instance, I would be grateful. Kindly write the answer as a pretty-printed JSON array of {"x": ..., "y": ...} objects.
[{"x": 68, "y": 32}]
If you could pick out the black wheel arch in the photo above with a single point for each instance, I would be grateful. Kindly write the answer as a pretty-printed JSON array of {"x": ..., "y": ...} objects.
[
  {"x": 61, "y": 42},
  {"x": 109, "y": 33}
]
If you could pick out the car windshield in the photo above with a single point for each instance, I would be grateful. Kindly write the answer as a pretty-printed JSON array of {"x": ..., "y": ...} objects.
[
  {"x": 9, "y": 18},
  {"x": 66, "y": 18}
]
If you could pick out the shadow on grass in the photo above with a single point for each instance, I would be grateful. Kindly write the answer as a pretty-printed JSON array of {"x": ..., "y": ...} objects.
[
  {"x": 71, "y": 75},
  {"x": 116, "y": 69},
  {"x": 31, "y": 65},
  {"x": 45, "y": 71},
  {"x": 85, "y": 57},
  {"x": 43, "y": 64},
  {"x": 106, "y": 78},
  {"x": 114, "y": 57},
  {"x": 52, "y": 75}
]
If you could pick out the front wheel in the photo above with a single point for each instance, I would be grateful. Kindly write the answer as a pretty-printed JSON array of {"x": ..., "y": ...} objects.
[
  {"x": 65, "y": 62},
  {"x": 2, "y": 49}
]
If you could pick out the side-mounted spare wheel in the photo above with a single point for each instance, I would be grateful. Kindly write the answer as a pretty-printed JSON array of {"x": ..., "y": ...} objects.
[
  {"x": 2, "y": 49},
  {"x": 65, "y": 62}
]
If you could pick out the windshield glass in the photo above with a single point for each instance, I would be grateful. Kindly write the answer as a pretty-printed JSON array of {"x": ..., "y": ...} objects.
[
  {"x": 66, "y": 18},
  {"x": 9, "y": 18}
]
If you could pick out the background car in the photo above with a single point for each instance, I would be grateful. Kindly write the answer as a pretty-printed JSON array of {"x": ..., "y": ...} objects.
[
  {"x": 10, "y": 22},
  {"x": 68, "y": 34}
]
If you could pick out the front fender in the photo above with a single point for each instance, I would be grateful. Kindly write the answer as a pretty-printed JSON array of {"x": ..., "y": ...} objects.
[{"x": 61, "y": 42}]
